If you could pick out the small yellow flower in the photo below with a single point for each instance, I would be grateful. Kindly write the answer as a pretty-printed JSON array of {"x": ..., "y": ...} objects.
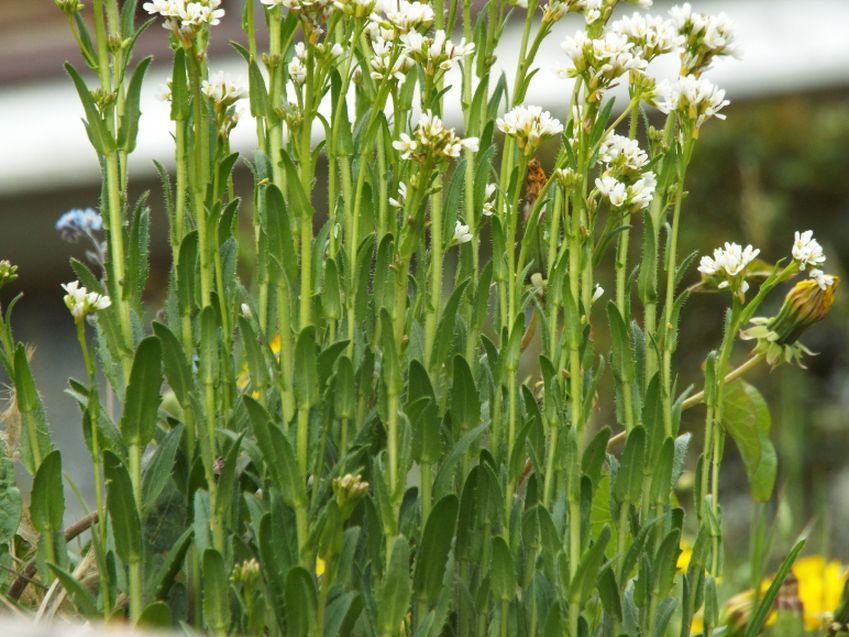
[
  {"x": 684, "y": 556},
  {"x": 320, "y": 566}
]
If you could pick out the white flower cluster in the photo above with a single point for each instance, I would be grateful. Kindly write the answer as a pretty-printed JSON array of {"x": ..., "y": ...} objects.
[
  {"x": 590, "y": 8},
  {"x": 402, "y": 16},
  {"x": 223, "y": 89},
  {"x": 297, "y": 66},
  {"x": 81, "y": 302},
  {"x": 651, "y": 36},
  {"x": 600, "y": 61},
  {"x": 621, "y": 153},
  {"x": 528, "y": 125},
  {"x": 388, "y": 61},
  {"x": 461, "y": 232},
  {"x": 629, "y": 197},
  {"x": 704, "y": 37},
  {"x": 729, "y": 263},
  {"x": 186, "y": 17},
  {"x": 696, "y": 98},
  {"x": 807, "y": 251},
  {"x": 436, "y": 53},
  {"x": 431, "y": 140}
]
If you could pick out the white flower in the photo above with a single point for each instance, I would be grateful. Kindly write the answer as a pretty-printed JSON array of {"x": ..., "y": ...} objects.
[
  {"x": 437, "y": 52},
  {"x": 641, "y": 192},
  {"x": 432, "y": 140},
  {"x": 807, "y": 250},
  {"x": 528, "y": 125},
  {"x": 650, "y": 35},
  {"x": 614, "y": 190},
  {"x": 181, "y": 15},
  {"x": 81, "y": 302},
  {"x": 406, "y": 146},
  {"x": 729, "y": 263},
  {"x": 246, "y": 310},
  {"x": 223, "y": 89},
  {"x": 705, "y": 37},
  {"x": 622, "y": 152},
  {"x": 602, "y": 60},
  {"x": 489, "y": 200},
  {"x": 590, "y": 8},
  {"x": 823, "y": 280},
  {"x": 404, "y": 16},
  {"x": 695, "y": 97},
  {"x": 401, "y": 201},
  {"x": 597, "y": 292},
  {"x": 386, "y": 63},
  {"x": 554, "y": 11},
  {"x": 461, "y": 233}
]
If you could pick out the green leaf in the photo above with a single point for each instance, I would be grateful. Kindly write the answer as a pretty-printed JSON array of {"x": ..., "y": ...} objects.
[
  {"x": 445, "y": 477},
  {"x": 126, "y": 525},
  {"x": 138, "y": 250},
  {"x": 177, "y": 370},
  {"x": 10, "y": 501},
  {"x": 447, "y": 323},
  {"x": 595, "y": 454},
  {"x": 157, "y": 473},
  {"x": 180, "y": 104},
  {"x": 465, "y": 399},
  {"x": 624, "y": 366},
  {"x": 278, "y": 453},
  {"x": 608, "y": 592},
  {"x": 588, "y": 568},
  {"x": 216, "y": 600},
  {"x": 47, "y": 502},
  {"x": 142, "y": 404},
  {"x": 393, "y": 599},
  {"x": 156, "y": 615},
  {"x": 159, "y": 582},
  {"x": 629, "y": 479},
  {"x": 35, "y": 442},
  {"x": 342, "y": 612},
  {"x": 83, "y": 599},
  {"x": 98, "y": 134},
  {"x": 503, "y": 570},
  {"x": 765, "y": 605},
  {"x": 344, "y": 398},
  {"x": 746, "y": 418},
  {"x": 130, "y": 121},
  {"x": 432, "y": 554},
  {"x": 307, "y": 391},
  {"x": 279, "y": 229}
]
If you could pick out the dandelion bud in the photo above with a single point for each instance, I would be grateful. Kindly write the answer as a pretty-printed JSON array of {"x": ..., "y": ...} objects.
[
  {"x": 69, "y": 6},
  {"x": 8, "y": 272},
  {"x": 777, "y": 336}
]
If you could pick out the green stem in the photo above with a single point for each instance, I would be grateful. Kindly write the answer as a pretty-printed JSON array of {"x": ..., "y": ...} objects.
[{"x": 435, "y": 298}]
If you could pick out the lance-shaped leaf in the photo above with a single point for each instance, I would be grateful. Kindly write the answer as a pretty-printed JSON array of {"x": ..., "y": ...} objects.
[
  {"x": 35, "y": 443},
  {"x": 126, "y": 524},
  {"x": 143, "y": 398},
  {"x": 432, "y": 555},
  {"x": 98, "y": 134},
  {"x": 393, "y": 599},
  {"x": 130, "y": 122},
  {"x": 216, "y": 601}
]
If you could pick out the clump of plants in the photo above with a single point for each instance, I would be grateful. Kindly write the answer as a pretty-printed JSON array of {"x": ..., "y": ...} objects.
[{"x": 446, "y": 402}]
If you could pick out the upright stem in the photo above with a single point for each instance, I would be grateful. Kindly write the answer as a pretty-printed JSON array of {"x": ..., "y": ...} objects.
[{"x": 435, "y": 271}]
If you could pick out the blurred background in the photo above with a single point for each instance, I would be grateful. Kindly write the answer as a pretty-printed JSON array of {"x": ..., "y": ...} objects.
[{"x": 779, "y": 163}]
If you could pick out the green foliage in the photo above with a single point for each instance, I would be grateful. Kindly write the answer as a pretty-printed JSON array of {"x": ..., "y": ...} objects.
[{"x": 392, "y": 416}]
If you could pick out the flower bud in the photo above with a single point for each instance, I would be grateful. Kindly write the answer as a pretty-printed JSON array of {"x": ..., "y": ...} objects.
[
  {"x": 8, "y": 272},
  {"x": 804, "y": 305}
]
